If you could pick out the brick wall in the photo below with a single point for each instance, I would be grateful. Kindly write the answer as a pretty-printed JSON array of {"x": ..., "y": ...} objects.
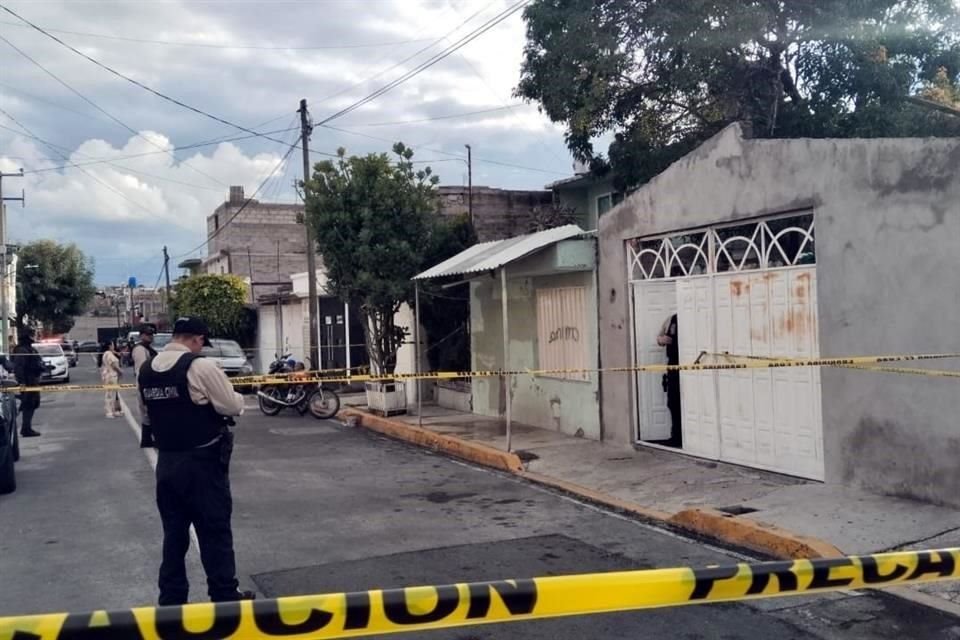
[{"x": 497, "y": 213}]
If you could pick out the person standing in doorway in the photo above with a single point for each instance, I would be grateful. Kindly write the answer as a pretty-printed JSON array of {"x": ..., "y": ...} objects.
[
  {"x": 190, "y": 402},
  {"x": 110, "y": 372},
  {"x": 142, "y": 352},
  {"x": 669, "y": 338},
  {"x": 28, "y": 368}
]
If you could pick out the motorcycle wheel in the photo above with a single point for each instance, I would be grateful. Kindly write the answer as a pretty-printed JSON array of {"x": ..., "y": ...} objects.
[
  {"x": 324, "y": 404},
  {"x": 267, "y": 407}
]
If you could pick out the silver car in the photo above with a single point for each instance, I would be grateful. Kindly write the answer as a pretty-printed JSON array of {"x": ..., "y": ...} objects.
[{"x": 229, "y": 356}]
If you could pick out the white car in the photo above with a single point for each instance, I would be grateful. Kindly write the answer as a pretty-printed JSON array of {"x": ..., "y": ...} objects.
[{"x": 58, "y": 367}]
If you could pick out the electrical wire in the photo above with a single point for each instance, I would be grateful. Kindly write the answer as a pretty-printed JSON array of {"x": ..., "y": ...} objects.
[
  {"x": 84, "y": 171},
  {"x": 450, "y": 116},
  {"x": 132, "y": 81},
  {"x": 101, "y": 109},
  {"x": 152, "y": 153},
  {"x": 206, "y": 45},
  {"x": 243, "y": 206},
  {"x": 111, "y": 163},
  {"x": 470, "y": 37},
  {"x": 445, "y": 153}
]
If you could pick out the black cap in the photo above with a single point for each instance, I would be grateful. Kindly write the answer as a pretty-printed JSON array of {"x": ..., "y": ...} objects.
[
  {"x": 148, "y": 330},
  {"x": 194, "y": 327}
]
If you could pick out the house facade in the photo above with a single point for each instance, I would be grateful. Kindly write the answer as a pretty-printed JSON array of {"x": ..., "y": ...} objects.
[
  {"x": 769, "y": 249},
  {"x": 262, "y": 241}
]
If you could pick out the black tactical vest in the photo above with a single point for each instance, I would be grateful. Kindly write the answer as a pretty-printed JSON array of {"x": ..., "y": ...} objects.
[
  {"x": 178, "y": 424},
  {"x": 150, "y": 349}
]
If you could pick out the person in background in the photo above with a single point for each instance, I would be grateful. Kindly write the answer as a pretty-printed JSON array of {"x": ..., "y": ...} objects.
[
  {"x": 28, "y": 367},
  {"x": 671, "y": 379},
  {"x": 141, "y": 353},
  {"x": 110, "y": 373}
]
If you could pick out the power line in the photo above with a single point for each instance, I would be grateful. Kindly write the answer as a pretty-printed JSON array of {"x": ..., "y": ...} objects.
[
  {"x": 450, "y": 116},
  {"x": 110, "y": 162},
  {"x": 470, "y": 37},
  {"x": 206, "y": 45},
  {"x": 153, "y": 153},
  {"x": 132, "y": 81},
  {"x": 84, "y": 171},
  {"x": 246, "y": 202},
  {"x": 408, "y": 58},
  {"x": 447, "y": 153},
  {"x": 99, "y": 108}
]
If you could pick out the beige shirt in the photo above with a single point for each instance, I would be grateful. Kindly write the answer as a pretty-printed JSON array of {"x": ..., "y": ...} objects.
[
  {"x": 207, "y": 382},
  {"x": 139, "y": 357},
  {"x": 110, "y": 367}
]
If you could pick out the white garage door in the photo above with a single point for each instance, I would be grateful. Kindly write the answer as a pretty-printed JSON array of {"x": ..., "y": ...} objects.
[{"x": 748, "y": 291}]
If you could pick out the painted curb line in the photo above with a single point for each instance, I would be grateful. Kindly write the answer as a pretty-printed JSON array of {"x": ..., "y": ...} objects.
[{"x": 471, "y": 451}]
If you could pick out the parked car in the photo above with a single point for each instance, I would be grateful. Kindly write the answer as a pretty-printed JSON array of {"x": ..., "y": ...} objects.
[
  {"x": 160, "y": 340},
  {"x": 229, "y": 356},
  {"x": 88, "y": 346},
  {"x": 9, "y": 442},
  {"x": 70, "y": 352},
  {"x": 58, "y": 368}
]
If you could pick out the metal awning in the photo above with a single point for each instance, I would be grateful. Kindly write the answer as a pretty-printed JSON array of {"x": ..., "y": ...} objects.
[{"x": 488, "y": 256}]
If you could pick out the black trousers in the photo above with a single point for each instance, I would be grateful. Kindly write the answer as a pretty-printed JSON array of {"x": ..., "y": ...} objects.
[
  {"x": 193, "y": 487},
  {"x": 29, "y": 402}
]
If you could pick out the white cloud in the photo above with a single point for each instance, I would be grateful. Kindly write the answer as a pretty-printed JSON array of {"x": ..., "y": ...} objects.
[{"x": 247, "y": 86}]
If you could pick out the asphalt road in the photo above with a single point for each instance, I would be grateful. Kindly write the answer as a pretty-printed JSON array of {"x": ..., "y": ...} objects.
[{"x": 320, "y": 507}]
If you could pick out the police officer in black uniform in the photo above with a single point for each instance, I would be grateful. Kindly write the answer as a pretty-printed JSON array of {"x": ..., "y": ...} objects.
[
  {"x": 28, "y": 368},
  {"x": 190, "y": 401}
]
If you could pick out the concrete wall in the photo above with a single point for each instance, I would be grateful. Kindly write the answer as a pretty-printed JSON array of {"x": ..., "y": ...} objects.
[
  {"x": 584, "y": 201},
  {"x": 563, "y": 405},
  {"x": 276, "y": 242},
  {"x": 887, "y": 215},
  {"x": 498, "y": 214}
]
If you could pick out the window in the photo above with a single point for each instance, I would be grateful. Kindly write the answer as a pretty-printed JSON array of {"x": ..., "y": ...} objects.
[
  {"x": 216, "y": 221},
  {"x": 607, "y": 202},
  {"x": 562, "y": 331}
]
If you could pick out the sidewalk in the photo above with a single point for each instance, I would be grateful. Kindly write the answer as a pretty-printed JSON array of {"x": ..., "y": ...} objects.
[{"x": 767, "y": 512}]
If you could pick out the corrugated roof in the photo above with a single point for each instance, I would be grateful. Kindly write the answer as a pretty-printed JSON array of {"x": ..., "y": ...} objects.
[{"x": 488, "y": 256}]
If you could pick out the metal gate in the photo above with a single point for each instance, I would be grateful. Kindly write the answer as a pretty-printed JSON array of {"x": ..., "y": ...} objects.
[{"x": 747, "y": 290}]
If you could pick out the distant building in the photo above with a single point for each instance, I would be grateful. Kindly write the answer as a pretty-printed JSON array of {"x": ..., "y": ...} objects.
[
  {"x": 260, "y": 241},
  {"x": 498, "y": 214}
]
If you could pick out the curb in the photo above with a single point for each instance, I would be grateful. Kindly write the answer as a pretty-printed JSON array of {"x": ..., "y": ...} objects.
[
  {"x": 754, "y": 535},
  {"x": 742, "y": 532},
  {"x": 463, "y": 449}
]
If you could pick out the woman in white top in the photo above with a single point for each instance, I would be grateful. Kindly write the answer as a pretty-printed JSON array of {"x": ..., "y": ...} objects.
[{"x": 110, "y": 373}]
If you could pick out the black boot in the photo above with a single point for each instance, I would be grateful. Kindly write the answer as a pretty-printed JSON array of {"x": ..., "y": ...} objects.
[{"x": 29, "y": 433}]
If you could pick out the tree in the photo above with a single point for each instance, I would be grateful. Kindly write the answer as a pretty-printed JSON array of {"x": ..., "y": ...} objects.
[
  {"x": 217, "y": 299},
  {"x": 662, "y": 76},
  {"x": 374, "y": 219},
  {"x": 55, "y": 284}
]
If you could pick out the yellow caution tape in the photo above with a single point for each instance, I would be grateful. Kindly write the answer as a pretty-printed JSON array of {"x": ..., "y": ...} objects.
[
  {"x": 365, "y": 613},
  {"x": 321, "y": 376},
  {"x": 933, "y": 373}
]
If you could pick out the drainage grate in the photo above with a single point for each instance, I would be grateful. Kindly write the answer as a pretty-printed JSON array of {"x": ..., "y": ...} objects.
[{"x": 737, "y": 510}]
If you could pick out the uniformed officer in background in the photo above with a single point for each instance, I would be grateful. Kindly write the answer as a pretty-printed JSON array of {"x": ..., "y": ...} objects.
[
  {"x": 142, "y": 352},
  {"x": 189, "y": 401}
]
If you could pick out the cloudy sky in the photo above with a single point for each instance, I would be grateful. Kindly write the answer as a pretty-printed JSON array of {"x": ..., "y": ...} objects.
[{"x": 249, "y": 62}]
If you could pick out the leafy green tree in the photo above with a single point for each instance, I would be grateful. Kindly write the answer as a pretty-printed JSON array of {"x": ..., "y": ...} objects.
[
  {"x": 217, "y": 299},
  {"x": 55, "y": 284},
  {"x": 375, "y": 222},
  {"x": 662, "y": 76}
]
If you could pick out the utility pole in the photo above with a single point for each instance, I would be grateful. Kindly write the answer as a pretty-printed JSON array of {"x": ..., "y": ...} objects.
[
  {"x": 166, "y": 273},
  {"x": 469, "y": 183},
  {"x": 4, "y": 267},
  {"x": 306, "y": 127}
]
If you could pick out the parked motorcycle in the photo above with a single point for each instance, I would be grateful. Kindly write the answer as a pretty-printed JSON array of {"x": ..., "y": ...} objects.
[{"x": 322, "y": 403}]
